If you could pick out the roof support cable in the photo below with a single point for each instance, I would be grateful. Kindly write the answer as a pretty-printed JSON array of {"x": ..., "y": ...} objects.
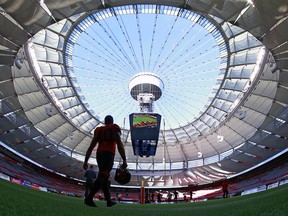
[
  {"x": 152, "y": 40},
  {"x": 114, "y": 42},
  {"x": 181, "y": 39},
  {"x": 107, "y": 59},
  {"x": 140, "y": 42},
  {"x": 125, "y": 33},
  {"x": 171, "y": 27}
]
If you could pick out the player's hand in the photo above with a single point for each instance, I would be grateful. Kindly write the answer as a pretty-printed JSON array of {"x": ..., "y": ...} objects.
[
  {"x": 124, "y": 165},
  {"x": 85, "y": 166}
]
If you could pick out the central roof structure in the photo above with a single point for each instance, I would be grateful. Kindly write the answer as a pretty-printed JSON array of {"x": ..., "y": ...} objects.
[
  {"x": 221, "y": 70},
  {"x": 146, "y": 83}
]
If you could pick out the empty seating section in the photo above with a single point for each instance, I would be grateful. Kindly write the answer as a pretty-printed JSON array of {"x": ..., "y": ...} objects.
[
  {"x": 24, "y": 171},
  {"x": 39, "y": 177}
]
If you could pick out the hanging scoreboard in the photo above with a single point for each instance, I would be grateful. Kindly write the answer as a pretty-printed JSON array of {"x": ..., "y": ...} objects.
[{"x": 144, "y": 128}]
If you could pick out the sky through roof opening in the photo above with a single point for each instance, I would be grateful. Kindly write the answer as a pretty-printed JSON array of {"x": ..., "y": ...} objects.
[{"x": 111, "y": 46}]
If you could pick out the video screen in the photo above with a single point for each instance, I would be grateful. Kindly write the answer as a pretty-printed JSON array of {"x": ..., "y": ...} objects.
[{"x": 144, "y": 121}]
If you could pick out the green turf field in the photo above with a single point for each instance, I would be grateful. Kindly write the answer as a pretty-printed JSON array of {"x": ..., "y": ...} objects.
[{"x": 20, "y": 200}]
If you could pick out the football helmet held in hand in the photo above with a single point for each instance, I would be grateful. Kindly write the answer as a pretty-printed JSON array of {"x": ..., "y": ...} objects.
[{"x": 122, "y": 175}]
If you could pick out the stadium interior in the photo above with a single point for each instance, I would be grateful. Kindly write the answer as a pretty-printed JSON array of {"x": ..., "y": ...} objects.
[{"x": 239, "y": 132}]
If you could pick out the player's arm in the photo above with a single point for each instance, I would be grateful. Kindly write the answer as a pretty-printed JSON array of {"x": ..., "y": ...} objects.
[
  {"x": 121, "y": 150},
  {"x": 89, "y": 151}
]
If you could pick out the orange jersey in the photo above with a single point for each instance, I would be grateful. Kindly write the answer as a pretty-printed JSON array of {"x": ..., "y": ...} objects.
[{"x": 106, "y": 137}]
